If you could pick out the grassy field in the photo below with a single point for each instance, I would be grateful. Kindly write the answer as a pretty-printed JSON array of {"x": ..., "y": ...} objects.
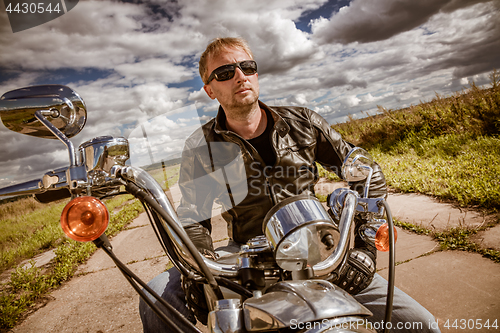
[
  {"x": 448, "y": 147},
  {"x": 167, "y": 176},
  {"x": 27, "y": 227}
]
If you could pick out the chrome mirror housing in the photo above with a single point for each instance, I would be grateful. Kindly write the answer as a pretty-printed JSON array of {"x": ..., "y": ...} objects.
[
  {"x": 104, "y": 152},
  {"x": 102, "y": 157},
  {"x": 357, "y": 165},
  {"x": 61, "y": 106}
]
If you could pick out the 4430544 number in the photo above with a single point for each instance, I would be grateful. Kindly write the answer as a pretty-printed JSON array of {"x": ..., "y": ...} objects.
[
  {"x": 471, "y": 324},
  {"x": 32, "y": 8}
]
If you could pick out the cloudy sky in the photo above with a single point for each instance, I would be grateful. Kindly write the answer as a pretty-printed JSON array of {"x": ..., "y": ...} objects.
[{"x": 134, "y": 61}]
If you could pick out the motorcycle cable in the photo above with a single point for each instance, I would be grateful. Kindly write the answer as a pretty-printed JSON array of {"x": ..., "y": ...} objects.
[
  {"x": 143, "y": 195},
  {"x": 113, "y": 195},
  {"x": 233, "y": 286},
  {"x": 166, "y": 243},
  {"x": 103, "y": 243},
  {"x": 152, "y": 218},
  {"x": 392, "y": 266},
  {"x": 169, "y": 249},
  {"x": 102, "y": 191}
]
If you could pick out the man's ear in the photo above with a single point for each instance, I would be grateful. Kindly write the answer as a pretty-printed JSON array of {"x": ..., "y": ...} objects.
[{"x": 209, "y": 91}]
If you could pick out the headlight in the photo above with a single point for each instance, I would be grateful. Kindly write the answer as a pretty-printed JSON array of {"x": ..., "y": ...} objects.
[{"x": 300, "y": 232}]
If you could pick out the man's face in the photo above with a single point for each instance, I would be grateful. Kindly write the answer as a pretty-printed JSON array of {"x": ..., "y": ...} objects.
[{"x": 239, "y": 92}]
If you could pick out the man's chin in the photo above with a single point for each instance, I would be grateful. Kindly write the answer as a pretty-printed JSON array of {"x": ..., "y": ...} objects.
[{"x": 246, "y": 100}]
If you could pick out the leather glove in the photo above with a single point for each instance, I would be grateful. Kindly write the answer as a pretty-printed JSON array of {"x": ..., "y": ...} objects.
[
  {"x": 200, "y": 236},
  {"x": 195, "y": 299},
  {"x": 378, "y": 185},
  {"x": 356, "y": 272}
]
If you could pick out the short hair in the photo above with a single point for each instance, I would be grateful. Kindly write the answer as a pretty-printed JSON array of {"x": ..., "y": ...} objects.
[{"x": 215, "y": 48}]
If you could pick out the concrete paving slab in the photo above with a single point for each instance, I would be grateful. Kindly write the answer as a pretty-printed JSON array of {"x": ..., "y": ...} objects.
[
  {"x": 174, "y": 194},
  {"x": 408, "y": 246},
  {"x": 489, "y": 238},
  {"x": 97, "y": 302},
  {"x": 453, "y": 285},
  {"x": 42, "y": 259},
  {"x": 130, "y": 245},
  {"x": 139, "y": 221},
  {"x": 426, "y": 211},
  {"x": 219, "y": 227}
]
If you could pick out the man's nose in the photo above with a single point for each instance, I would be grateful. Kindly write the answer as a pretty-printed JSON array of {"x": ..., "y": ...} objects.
[{"x": 239, "y": 75}]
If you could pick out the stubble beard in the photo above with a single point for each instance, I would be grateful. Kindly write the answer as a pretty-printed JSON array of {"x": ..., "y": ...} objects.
[{"x": 242, "y": 110}]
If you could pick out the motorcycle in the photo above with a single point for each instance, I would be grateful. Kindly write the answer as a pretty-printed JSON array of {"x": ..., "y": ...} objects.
[{"x": 275, "y": 282}]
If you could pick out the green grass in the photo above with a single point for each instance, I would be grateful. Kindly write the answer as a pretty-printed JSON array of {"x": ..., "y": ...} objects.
[
  {"x": 35, "y": 229},
  {"x": 323, "y": 173},
  {"x": 31, "y": 231},
  {"x": 452, "y": 167},
  {"x": 419, "y": 230},
  {"x": 457, "y": 238},
  {"x": 475, "y": 111},
  {"x": 167, "y": 176}
]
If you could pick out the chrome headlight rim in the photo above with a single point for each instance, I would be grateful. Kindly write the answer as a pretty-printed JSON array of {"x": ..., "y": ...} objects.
[{"x": 291, "y": 220}]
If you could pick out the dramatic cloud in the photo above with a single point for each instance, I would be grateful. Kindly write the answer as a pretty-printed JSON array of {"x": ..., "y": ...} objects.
[{"x": 376, "y": 20}]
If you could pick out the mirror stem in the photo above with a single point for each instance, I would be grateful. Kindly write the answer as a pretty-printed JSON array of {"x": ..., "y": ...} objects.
[
  {"x": 367, "y": 183},
  {"x": 40, "y": 116}
]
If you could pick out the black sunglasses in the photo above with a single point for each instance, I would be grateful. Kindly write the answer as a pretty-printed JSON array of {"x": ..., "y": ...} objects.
[{"x": 226, "y": 72}]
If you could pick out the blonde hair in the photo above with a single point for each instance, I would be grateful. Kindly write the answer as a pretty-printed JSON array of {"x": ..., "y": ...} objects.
[{"x": 216, "y": 47}]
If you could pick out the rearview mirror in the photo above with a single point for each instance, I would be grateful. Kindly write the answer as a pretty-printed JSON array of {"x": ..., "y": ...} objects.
[
  {"x": 68, "y": 112},
  {"x": 357, "y": 165}
]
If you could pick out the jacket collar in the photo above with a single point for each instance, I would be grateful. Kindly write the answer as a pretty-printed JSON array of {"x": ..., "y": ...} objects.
[{"x": 280, "y": 125}]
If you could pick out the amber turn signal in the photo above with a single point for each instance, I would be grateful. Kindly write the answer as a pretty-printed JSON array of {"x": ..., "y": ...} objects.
[
  {"x": 84, "y": 219},
  {"x": 382, "y": 238}
]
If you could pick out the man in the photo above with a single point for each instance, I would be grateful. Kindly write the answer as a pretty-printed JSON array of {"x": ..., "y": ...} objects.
[{"x": 270, "y": 140}]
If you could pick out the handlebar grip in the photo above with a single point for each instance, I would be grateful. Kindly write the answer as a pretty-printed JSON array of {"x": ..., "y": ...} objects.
[{"x": 53, "y": 195}]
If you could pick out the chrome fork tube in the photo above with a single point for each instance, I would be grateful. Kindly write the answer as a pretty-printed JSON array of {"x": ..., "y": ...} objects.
[{"x": 345, "y": 226}]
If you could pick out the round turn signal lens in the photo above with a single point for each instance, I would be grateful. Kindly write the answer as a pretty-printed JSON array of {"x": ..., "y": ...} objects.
[
  {"x": 84, "y": 219},
  {"x": 382, "y": 238}
]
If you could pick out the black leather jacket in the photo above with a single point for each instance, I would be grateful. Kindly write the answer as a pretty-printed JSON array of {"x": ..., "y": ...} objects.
[{"x": 218, "y": 165}]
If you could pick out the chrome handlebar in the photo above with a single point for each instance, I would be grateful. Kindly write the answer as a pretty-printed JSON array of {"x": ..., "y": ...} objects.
[
  {"x": 144, "y": 180},
  {"x": 346, "y": 227},
  {"x": 29, "y": 187},
  {"x": 58, "y": 179}
]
